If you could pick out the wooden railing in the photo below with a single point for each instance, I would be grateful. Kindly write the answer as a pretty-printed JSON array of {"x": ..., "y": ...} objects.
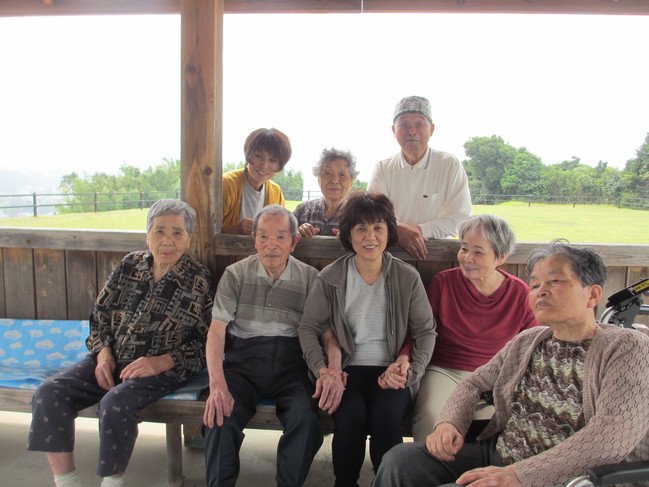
[{"x": 56, "y": 274}]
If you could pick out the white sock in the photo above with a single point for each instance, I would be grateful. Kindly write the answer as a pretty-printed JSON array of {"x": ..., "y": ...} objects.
[
  {"x": 68, "y": 479},
  {"x": 113, "y": 481}
]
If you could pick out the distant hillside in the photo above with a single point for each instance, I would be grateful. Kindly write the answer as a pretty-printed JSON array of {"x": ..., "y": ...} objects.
[{"x": 18, "y": 182}]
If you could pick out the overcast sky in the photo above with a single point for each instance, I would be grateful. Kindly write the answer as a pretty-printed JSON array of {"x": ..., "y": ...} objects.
[{"x": 89, "y": 94}]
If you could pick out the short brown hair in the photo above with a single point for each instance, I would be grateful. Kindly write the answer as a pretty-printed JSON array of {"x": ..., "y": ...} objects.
[
  {"x": 364, "y": 207},
  {"x": 273, "y": 141}
]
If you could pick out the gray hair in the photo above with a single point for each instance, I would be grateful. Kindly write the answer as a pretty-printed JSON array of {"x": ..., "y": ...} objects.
[
  {"x": 170, "y": 206},
  {"x": 276, "y": 210},
  {"x": 586, "y": 263},
  {"x": 493, "y": 228},
  {"x": 330, "y": 155}
]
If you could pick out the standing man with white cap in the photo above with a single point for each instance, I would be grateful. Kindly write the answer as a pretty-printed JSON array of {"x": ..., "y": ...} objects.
[{"x": 429, "y": 188}]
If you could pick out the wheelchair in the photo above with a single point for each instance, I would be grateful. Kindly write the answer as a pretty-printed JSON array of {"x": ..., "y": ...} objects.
[
  {"x": 623, "y": 306},
  {"x": 621, "y": 310}
]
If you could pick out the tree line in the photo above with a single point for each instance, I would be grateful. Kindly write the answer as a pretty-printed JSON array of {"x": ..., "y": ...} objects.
[
  {"x": 497, "y": 168},
  {"x": 116, "y": 192},
  {"x": 493, "y": 168}
]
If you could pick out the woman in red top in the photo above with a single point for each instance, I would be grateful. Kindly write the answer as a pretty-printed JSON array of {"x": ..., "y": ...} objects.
[{"x": 478, "y": 308}]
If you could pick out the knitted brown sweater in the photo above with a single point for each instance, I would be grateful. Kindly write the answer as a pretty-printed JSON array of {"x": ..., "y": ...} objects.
[{"x": 616, "y": 404}]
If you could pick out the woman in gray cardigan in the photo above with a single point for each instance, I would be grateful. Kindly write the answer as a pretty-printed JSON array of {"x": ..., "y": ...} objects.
[{"x": 372, "y": 302}]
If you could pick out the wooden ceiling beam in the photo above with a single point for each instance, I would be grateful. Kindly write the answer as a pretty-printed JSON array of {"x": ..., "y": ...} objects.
[
  {"x": 14, "y": 8},
  {"x": 9, "y": 8},
  {"x": 608, "y": 7},
  {"x": 293, "y": 6},
  {"x": 26, "y": 8}
]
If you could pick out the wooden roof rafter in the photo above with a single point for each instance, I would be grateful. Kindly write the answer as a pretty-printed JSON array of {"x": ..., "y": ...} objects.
[{"x": 9, "y": 8}]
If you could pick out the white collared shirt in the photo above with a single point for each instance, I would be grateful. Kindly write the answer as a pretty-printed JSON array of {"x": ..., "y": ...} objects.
[{"x": 434, "y": 193}]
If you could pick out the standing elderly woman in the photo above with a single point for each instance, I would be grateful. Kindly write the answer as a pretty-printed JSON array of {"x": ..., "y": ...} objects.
[
  {"x": 336, "y": 173},
  {"x": 248, "y": 190},
  {"x": 372, "y": 301},
  {"x": 478, "y": 308},
  {"x": 147, "y": 338}
]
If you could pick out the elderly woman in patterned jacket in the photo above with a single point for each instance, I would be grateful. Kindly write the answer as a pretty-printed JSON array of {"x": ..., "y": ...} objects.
[
  {"x": 336, "y": 172},
  {"x": 147, "y": 338},
  {"x": 569, "y": 395}
]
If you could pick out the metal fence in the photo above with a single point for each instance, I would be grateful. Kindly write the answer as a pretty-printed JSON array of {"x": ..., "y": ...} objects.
[
  {"x": 35, "y": 204},
  {"x": 619, "y": 201}
]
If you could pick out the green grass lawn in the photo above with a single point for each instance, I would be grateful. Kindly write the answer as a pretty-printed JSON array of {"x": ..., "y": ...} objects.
[
  {"x": 291, "y": 205},
  {"x": 537, "y": 223},
  {"x": 108, "y": 220},
  {"x": 587, "y": 223}
]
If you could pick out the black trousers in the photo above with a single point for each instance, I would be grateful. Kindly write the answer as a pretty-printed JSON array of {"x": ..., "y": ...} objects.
[
  {"x": 265, "y": 368},
  {"x": 411, "y": 465},
  {"x": 58, "y": 400},
  {"x": 366, "y": 409}
]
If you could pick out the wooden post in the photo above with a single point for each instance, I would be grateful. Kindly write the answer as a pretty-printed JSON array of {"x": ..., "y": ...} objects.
[
  {"x": 201, "y": 130},
  {"x": 201, "y": 119}
]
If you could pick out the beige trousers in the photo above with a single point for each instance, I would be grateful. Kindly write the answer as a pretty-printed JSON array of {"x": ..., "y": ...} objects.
[{"x": 435, "y": 388}]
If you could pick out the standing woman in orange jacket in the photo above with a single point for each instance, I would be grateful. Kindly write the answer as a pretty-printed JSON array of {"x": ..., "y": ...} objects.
[{"x": 248, "y": 190}]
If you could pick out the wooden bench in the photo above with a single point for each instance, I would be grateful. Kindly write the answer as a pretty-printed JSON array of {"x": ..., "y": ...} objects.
[{"x": 173, "y": 412}]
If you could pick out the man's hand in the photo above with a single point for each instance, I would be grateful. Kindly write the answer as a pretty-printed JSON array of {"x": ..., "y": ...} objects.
[
  {"x": 329, "y": 387},
  {"x": 220, "y": 402},
  {"x": 490, "y": 476},
  {"x": 444, "y": 442},
  {"x": 396, "y": 375},
  {"x": 307, "y": 230},
  {"x": 246, "y": 226},
  {"x": 218, "y": 405},
  {"x": 412, "y": 239},
  {"x": 105, "y": 369},
  {"x": 147, "y": 367}
]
